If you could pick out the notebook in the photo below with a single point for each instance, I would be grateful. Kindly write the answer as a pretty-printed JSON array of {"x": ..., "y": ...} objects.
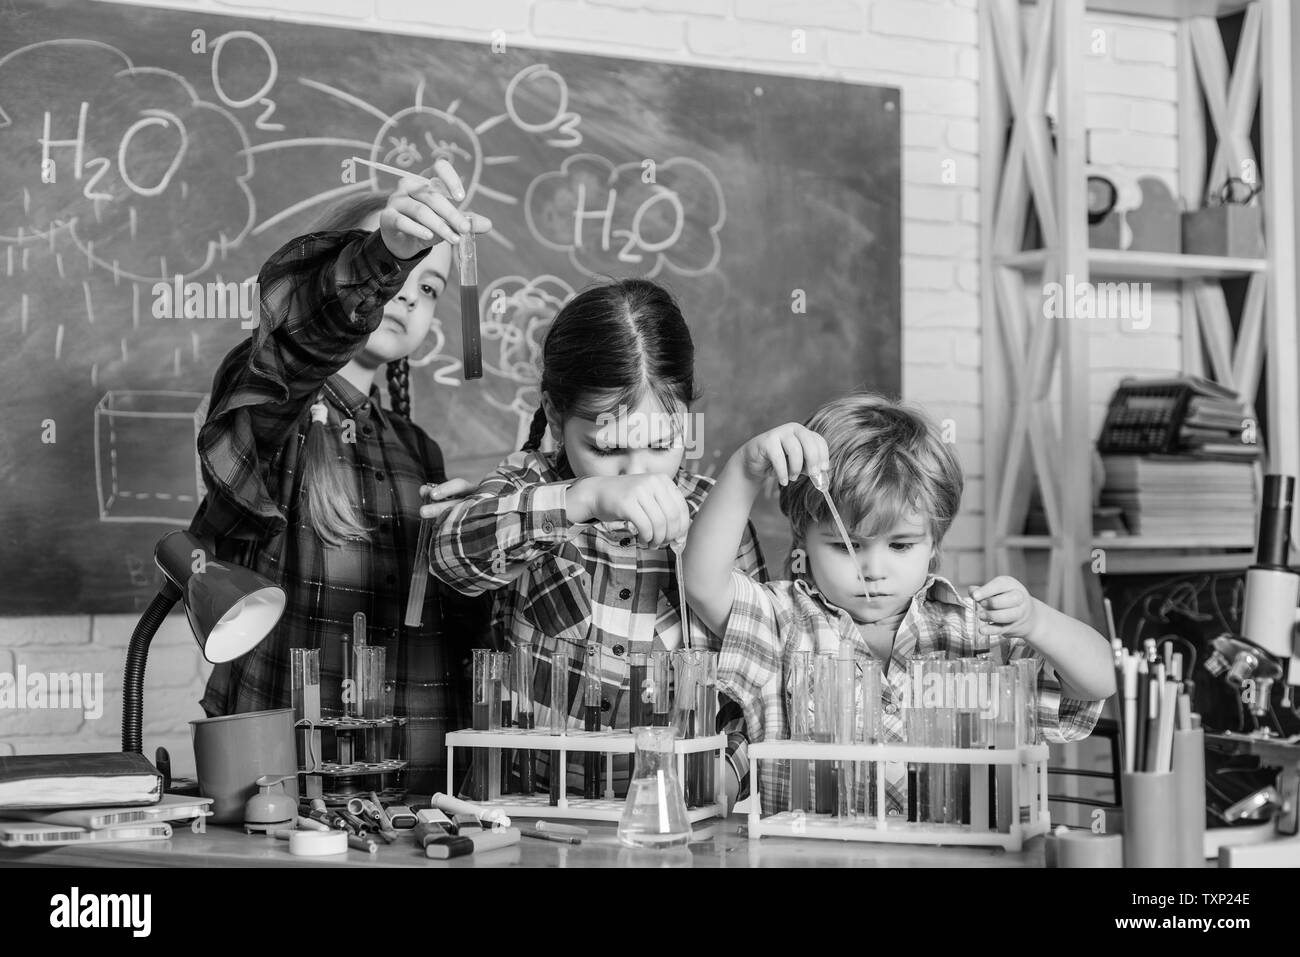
[
  {"x": 97, "y": 779},
  {"x": 35, "y": 834},
  {"x": 173, "y": 807}
]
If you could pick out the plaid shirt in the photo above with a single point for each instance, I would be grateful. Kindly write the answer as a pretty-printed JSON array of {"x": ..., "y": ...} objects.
[
  {"x": 571, "y": 589},
  {"x": 770, "y": 623},
  {"x": 312, "y": 323}
]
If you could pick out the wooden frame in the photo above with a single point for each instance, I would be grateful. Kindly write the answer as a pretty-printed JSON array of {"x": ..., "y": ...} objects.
[{"x": 1036, "y": 389}]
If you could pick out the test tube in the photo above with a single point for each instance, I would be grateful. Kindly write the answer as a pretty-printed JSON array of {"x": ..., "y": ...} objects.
[
  {"x": 966, "y": 702},
  {"x": 661, "y": 703},
  {"x": 918, "y": 781},
  {"x": 800, "y": 725},
  {"x": 523, "y": 673},
  {"x": 824, "y": 715},
  {"x": 304, "y": 671},
  {"x": 1027, "y": 724},
  {"x": 981, "y": 670},
  {"x": 591, "y": 684},
  {"x": 1004, "y": 736},
  {"x": 946, "y": 803},
  {"x": 638, "y": 708},
  {"x": 370, "y": 662},
  {"x": 486, "y": 716},
  {"x": 683, "y": 712},
  {"x": 501, "y": 665},
  {"x": 870, "y": 727},
  {"x": 559, "y": 721},
  {"x": 471, "y": 334},
  {"x": 706, "y": 720},
  {"x": 845, "y": 729}
]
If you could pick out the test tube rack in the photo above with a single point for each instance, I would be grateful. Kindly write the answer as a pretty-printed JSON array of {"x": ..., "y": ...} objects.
[
  {"x": 608, "y": 808},
  {"x": 313, "y": 780},
  {"x": 1028, "y": 764}
]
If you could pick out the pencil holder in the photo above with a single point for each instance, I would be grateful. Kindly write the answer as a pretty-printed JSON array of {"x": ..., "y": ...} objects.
[
  {"x": 1189, "y": 808},
  {"x": 1085, "y": 849},
  {"x": 1150, "y": 826}
]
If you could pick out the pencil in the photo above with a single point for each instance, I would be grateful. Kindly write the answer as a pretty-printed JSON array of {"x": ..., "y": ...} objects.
[
  {"x": 1143, "y": 712},
  {"x": 1165, "y": 736},
  {"x": 1128, "y": 722}
]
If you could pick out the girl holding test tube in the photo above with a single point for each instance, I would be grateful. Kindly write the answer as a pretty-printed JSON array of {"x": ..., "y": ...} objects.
[
  {"x": 313, "y": 483},
  {"x": 574, "y": 544}
]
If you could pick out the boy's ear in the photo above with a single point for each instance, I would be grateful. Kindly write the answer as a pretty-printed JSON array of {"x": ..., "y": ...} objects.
[{"x": 553, "y": 419}]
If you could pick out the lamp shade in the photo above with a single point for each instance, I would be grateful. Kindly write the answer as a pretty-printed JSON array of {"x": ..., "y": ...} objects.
[{"x": 230, "y": 608}]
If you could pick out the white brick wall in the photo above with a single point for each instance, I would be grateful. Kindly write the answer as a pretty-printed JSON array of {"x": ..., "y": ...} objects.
[{"x": 928, "y": 48}]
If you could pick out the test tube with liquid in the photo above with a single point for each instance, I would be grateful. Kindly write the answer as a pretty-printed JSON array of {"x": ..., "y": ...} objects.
[
  {"x": 1026, "y": 724},
  {"x": 486, "y": 716},
  {"x": 800, "y": 726},
  {"x": 470, "y": 328},
  {"x": 683, "y": 712},
  {"x": 591, "y": 697},
  {"x": 559, "y": 722},
  {"x": 522, "y": 672},
  {"x": 946, "y": 802},
  {"x": 846, "y": 729},
  {"x": 501, "y": 665},
  {"x": 304, "y": 671},
  {"x": 870, "y": 726},
  {"x": 661, "y": 699},
  {"x": 706, "y": 720},
  {"x": 1004, "y": 736},
  {"x": 824, "y": 716},
  {"x": 370, "y": 663},
  {"x": 966, "y": 694},
  {"x": 982, "y": 796},
  {"x": 918, "y": 781}
]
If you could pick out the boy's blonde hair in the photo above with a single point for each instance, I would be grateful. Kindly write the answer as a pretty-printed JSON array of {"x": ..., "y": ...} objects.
[{"x": 888, "y": 459}]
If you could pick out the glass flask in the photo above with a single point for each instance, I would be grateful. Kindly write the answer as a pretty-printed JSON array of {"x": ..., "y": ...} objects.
[{"x": 655, "y": 812}]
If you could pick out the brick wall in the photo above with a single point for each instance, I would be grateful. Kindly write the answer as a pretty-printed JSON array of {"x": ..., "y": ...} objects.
[{"x": 928, "y": 49}]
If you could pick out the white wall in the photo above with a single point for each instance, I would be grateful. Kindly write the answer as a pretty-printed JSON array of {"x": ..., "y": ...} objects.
[{"x": 928, "y": 49}]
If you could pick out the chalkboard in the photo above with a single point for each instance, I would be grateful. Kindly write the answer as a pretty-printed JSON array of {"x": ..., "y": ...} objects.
[{"x": 191, "y": 145}]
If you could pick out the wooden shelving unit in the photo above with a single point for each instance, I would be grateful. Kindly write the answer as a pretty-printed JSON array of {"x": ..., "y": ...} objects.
[{"x": 1036, "y": 370}]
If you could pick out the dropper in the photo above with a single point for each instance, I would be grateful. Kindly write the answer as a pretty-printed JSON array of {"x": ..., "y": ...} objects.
[{"x": 821, "y": 482}]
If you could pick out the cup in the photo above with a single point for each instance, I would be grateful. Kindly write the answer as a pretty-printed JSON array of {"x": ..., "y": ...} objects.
[
  {"x": 1150, "y": 826},
  {"x": 233, "y": 751},
  {"x": 1085, "y": 849}
]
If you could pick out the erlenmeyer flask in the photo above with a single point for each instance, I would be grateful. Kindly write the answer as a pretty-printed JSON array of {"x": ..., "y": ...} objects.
[{"x": 655, "y": 812}]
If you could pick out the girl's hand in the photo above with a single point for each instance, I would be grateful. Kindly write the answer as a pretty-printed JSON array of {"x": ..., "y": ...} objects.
[
  {"x": 423, "y": 212},
  {"x": 785, "y": 452},
  {"x": 651, "y": 503},
  {"x": 442, "y": 497},
  {"x": 1008, "y": 608}
]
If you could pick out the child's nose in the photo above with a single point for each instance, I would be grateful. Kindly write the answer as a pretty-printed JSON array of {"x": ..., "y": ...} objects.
[{"x": 637, "y": 462}]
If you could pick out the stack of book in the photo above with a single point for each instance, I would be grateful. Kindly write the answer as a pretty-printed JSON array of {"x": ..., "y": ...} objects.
[
  {"x": 1209, "y": 503},
  {"x": 109, "y": 797},
  {"x": 1215, "y": 427}
]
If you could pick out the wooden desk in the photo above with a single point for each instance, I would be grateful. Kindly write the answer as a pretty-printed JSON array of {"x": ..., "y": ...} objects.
[{"x": 717, "y": 844}]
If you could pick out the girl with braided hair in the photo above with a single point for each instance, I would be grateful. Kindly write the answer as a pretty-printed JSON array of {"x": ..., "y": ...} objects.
[{"x": 313, "y": 483}]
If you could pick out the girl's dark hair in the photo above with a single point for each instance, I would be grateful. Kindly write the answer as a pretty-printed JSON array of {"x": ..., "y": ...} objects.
[
  {"x": 327, "y": 497},
  {"x": 608, "y": 347}
]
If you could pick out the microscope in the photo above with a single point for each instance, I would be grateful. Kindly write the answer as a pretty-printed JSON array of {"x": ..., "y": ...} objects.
[{"x": 1251, "y": 664}]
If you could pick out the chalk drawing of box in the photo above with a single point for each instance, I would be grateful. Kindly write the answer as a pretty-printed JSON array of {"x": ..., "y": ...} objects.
[{"x": 146, "y": 456}]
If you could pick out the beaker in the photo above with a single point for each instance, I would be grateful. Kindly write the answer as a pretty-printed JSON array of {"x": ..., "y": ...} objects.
[{"x": 655, "y": 812}]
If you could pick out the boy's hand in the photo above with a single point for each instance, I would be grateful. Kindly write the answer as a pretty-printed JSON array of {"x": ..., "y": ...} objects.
[
  {"x": 785, "y": 452},
  {"x": 421, "y": 213},
  {"x": 652, "y": 503},
  {"x": 1007, "y": 608}
]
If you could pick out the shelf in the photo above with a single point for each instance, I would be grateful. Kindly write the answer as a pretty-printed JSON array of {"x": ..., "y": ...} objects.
[
  {"x": 1151, "y": 267},
  {"x": 1168, "y": 9},
  {"x": 1131, "y": 542}
]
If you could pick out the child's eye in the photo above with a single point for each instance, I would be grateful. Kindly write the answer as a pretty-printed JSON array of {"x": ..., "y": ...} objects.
[
  {"x": 428, "y": 290},
  {"x": 604, "y": 451},
  {"x": 902, "y": 546}
]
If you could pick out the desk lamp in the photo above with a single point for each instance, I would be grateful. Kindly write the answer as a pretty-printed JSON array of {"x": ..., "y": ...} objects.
[{"x": 230, "y": 609}]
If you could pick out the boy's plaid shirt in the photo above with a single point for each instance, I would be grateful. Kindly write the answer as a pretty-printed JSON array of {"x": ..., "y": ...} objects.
[
  {"x": 770, "y": 622},
  {"x": 571, "y": 589}
]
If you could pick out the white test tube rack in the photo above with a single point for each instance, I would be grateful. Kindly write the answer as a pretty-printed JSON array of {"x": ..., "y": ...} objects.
[
  {"x": 607, "y": 742},
  {"x": 1028, "y": 765}
]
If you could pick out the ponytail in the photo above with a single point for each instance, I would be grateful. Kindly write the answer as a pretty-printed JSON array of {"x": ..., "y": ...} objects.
[
  {"x": 326, "y": 500},
  {"x": 536, "y": 431},
  {"x": 399, "y": 387}
]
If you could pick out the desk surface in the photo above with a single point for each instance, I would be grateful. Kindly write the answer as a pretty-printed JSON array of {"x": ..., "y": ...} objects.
[{"x": 716, "y": 844}]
